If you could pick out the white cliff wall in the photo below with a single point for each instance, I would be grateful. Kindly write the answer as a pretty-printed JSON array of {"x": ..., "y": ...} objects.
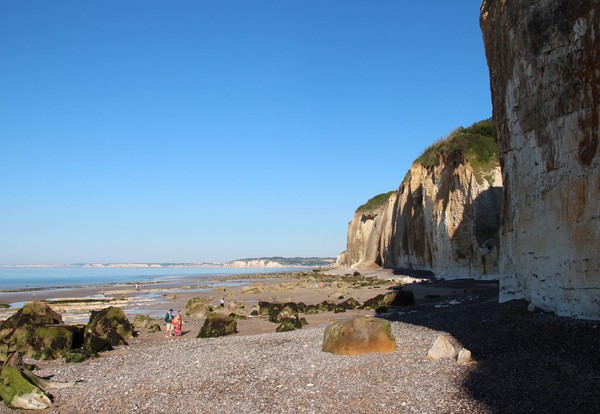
[
  {"x": 544, "y": 62},
  {"x": 367, "y": 233},
  {"x": 441, "y": 219},
  {"x": 447, "y": 222}
]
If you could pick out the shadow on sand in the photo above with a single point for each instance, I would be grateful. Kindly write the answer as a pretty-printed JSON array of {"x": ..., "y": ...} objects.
[{"x": 526, "y": 362}]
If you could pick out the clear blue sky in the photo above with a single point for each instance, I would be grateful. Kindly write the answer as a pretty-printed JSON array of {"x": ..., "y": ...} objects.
[{"x": 187, "y": 131}]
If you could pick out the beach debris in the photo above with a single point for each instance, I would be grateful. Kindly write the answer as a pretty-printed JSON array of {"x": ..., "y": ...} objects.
[
  {"x": 217, "y": 324},
  {"x": 442, "y": 348},
  {"x": 198, "y": 308},
  {"x": 359, "y": 335},
  {"x": 21, "y": 388},
  {"x": 464, "y": 357},
  {"x": 37, "y": 331}
]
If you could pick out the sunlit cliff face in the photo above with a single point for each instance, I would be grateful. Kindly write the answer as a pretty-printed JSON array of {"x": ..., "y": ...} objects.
[{"x": 544, "y": 62}]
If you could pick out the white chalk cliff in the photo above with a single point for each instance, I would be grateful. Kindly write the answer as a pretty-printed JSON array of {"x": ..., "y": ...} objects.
[
  {"x": 443, "y": 218},
  {"x": 544, "y": 62}
]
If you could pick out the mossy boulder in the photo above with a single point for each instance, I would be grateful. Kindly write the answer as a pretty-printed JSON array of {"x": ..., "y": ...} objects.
[
  {"x": 198, "y": 308},
  {"x": 38, "y": 332},
  {"x": 18, "y": 392},
  {"x": 152, "y": 325},
  {"x": 107, "y": 328},
  {"x": 33, "y": 313},
  {"x": 396, "y": 298},
  {"x": 291, "y": 324},
  {"x": 217, "y": 324},
  {"x": 78, "y": 355}
]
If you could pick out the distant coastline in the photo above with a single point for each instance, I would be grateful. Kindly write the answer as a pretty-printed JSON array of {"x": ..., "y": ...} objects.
[{"x": 266, "y": 262}]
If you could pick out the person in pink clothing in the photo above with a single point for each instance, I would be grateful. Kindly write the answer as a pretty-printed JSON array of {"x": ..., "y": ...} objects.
[{"x": 177, "y": 323}]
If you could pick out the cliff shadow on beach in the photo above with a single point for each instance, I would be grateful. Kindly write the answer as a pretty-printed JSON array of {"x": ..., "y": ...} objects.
[{"x": 526, "y": 361}]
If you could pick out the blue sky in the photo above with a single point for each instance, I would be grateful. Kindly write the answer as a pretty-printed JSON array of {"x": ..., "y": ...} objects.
[{"x": 188, "y": 131}]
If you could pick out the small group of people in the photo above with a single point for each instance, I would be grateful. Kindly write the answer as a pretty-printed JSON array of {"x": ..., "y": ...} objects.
[
  {"x": 232, "y": 305},
  {"x": 173, "y": 324}
]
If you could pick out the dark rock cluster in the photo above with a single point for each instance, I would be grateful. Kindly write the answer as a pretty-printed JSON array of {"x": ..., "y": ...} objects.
[{"x": 286, "y": 313}]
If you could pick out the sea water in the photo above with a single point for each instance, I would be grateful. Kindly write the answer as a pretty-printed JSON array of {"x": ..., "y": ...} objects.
[{"x": 17, "y": 278}]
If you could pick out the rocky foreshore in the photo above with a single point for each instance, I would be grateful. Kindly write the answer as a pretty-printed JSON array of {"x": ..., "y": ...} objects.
[{"x": 523, "y": 361}]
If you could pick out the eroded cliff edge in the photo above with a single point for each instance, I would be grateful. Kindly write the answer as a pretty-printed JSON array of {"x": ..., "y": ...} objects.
[
  {"x": 544, "y": 62},
  {"x": 444, "y": 217}
]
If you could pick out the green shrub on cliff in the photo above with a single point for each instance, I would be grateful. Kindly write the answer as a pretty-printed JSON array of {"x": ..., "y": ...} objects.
[
  {"x": 477, "y": 143},
  {"x": 374, "y": 203}
]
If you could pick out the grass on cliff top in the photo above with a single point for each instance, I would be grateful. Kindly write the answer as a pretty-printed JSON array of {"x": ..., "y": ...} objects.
[
  {"x": 477, "y": 143},
  {"x": 374, "y": 203}
]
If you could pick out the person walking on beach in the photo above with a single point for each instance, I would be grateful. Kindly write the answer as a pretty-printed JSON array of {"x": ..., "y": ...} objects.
[
  {"x": 169, "y": 322},
  {"x": 178, "y": 323}
]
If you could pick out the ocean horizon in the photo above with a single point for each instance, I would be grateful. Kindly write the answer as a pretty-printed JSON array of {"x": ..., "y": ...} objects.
[{"x": 45, "y": 277}]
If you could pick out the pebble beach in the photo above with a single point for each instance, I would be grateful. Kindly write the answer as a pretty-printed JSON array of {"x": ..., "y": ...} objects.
[{"x": 522, "y": 362}]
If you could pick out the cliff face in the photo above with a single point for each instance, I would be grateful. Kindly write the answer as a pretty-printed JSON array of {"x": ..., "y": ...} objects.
[
  {"x": 447, "y": 222},
  {"x": 368, "y": 233},
  {"x": 444, "y": 218},
  {"x": 544, "y": 61},
  {"x": 255, "y": 263}
]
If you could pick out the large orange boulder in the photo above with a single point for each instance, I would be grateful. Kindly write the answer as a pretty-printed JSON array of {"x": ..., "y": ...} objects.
[{"x": 360, "y": 335}]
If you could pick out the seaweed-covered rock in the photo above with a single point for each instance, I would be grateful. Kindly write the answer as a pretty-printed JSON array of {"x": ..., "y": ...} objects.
[
  {"x": 359, "y": 335},
  {"x": 198, "y": 308},
  {"x": 349, "y": 304},
  {"x": 78, "y": 355},
  {"x": 217, "y": 324},
  {"x": 291, "y": 324},
  {"x": 107, "y": 328},
  {"x": 20, "y": 388},
  {"x": 33, "y": 313},
  {"x": 38, "y": 331},
  {"x": 326, "y": 306},
  {"x": 152, "y": 325},
  {"x": 18, "y": 392},
  {"x": 396, "y": 298}
]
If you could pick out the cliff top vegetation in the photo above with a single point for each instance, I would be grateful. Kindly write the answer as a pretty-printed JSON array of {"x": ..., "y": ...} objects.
[
  {"x": 374, "y": 203},
  {"x": 477, "y": 143}
]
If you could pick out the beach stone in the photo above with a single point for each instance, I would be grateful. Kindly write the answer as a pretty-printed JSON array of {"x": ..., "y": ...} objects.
[
  {"x": 198, "y": 308},
  {"x": 217, "y": 324},
  {"x": 442, "y": 348},
  {"x": 359, "y": 335},
  {"x": 107, "y": 328},
  {"x": 38, "y": 332},
  {"x": 464, "y": 357}
]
